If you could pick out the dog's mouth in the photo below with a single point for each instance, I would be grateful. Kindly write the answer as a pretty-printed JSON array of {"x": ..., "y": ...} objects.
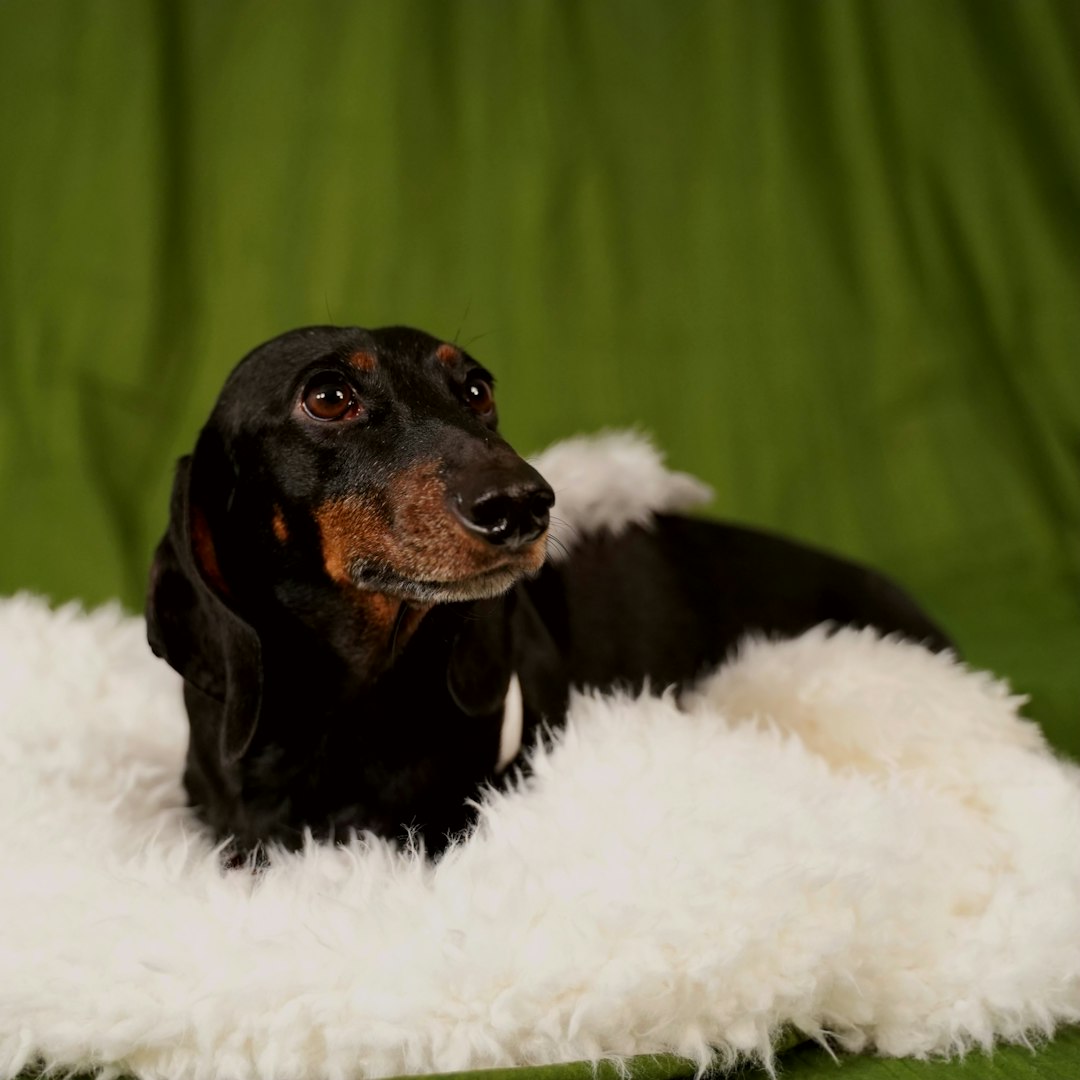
[{"x": 481, "y": 585}]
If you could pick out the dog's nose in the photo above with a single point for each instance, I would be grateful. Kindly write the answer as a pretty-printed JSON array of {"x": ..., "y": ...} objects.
[{"x": 513, "y": 515}]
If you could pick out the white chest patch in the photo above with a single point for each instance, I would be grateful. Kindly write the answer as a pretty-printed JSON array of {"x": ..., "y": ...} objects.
[{"x": 512, "y": 723}]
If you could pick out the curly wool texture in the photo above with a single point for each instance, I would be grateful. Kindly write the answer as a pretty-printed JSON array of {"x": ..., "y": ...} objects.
[
  {"x": 840, "y": 832},
  {"x": 608, "y": 482}
]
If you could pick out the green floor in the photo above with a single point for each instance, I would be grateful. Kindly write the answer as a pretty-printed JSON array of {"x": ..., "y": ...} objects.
[{"x": 1056, "y": 1061}]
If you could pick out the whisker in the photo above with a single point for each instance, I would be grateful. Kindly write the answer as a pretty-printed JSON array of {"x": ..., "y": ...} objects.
[
  {"x": 464, "y": 320},
  {"x": 558, "y": 545},
  {"x": 566, "y": 526},
  {"x": 476, "y": 337},
  {"x": 398, "y": 620}
]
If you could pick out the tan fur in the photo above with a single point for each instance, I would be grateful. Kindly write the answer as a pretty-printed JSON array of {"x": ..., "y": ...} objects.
[
  {"x": 363, "y": 361},
  {"x": 202, "y": 544},
  {"x": 280, "y": 526},
  {"x": 410, "y": 530}
]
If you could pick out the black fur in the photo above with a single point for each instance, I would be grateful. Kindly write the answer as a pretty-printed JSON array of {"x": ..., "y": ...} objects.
[{"x": 361, "y": 686}]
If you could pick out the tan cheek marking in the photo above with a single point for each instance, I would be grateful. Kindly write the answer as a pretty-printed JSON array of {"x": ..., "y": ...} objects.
[
  {"x": 281, "y": 529},
  {"x": 410, "y": 621},
  {"x": 380, "y": 611},
  {"x": 447, "y": 354},
  {"x": 363, "y": 361},
  {"x": 415, "y": 535},
  {"x": 351, "y": 529},
  {"x": 433, "y": 543},
  {"x": 412, "y": 532},
  {"x": 354, "y": 529},
  {"x": 384, "y": 629}
]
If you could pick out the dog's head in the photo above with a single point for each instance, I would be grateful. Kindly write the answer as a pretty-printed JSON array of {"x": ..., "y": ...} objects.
[{"x": 339, "y": 466}]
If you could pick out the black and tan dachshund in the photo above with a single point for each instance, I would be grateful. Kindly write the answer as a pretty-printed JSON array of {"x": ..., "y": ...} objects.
[{"x": 353, "y": 584}]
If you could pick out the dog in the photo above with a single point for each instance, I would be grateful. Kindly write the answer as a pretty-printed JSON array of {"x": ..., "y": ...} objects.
[{"x": 355, "y": 587}]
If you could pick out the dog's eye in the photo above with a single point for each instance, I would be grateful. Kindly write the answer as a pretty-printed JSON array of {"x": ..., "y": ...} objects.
[
  {"x": 480, "y": 396},
  {"x": 328, "y": 396}
]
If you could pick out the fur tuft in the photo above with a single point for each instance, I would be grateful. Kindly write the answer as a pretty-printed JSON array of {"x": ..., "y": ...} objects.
[{"x": 607, "y": 482}]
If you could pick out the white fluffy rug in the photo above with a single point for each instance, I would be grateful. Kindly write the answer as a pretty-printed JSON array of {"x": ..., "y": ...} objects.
[{"x": 843, "y": 834}]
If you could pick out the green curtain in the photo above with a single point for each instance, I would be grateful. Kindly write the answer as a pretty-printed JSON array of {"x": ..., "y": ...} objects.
[{"x": 827, "y": 252}]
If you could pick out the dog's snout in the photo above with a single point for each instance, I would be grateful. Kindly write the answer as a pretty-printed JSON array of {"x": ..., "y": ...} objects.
[{"x": 510, "y": 515}]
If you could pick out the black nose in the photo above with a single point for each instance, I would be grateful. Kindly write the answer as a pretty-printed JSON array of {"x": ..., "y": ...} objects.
[{"x": 512, "y": 515}]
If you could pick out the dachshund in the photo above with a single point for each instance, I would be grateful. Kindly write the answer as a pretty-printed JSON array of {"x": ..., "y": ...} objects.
[{"x": 355, "y": 588}]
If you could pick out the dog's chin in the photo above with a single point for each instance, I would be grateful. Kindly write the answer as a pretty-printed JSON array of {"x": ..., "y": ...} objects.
[{"x": 481, "y": 586}]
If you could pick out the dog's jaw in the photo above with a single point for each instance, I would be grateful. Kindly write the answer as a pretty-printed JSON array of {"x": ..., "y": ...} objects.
[{"x": 484, "y": 585}]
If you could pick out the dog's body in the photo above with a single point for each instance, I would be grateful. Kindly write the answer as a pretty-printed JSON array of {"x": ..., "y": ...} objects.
[{"x": 354, "y": 588}]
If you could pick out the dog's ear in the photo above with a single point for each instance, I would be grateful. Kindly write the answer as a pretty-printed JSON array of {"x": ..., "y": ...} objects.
[
  {"x": 191, "y": 620},
  {"x": 481, "y": 661},
  {"x": 503, "y": 637},
  {"x": 538, "y": 661}
]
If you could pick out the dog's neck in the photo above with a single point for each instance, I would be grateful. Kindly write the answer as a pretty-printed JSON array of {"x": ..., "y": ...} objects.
[
  {"x": 372, "y": 631},
  {"x": 356, "y": 630},
  {"x": 364, "y": 632}
]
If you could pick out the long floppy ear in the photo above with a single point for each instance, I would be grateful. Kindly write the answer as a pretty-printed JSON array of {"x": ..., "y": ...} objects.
[
  {"x": 481, "y": 661},
  {"x": 503, "y": 637},
  {"x": 190, "y": 620}
]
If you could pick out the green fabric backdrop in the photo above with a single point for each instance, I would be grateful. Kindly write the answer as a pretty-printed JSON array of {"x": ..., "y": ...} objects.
[{"x": 829, "y": 253}]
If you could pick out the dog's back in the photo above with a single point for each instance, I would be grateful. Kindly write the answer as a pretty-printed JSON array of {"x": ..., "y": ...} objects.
[{"x": 667, "y": 601}]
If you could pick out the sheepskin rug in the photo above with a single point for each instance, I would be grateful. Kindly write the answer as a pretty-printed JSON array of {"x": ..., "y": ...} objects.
[{"x": 841, "y": 834}]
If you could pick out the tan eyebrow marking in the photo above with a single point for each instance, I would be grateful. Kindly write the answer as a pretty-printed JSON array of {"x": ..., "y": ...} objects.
[
  {"x": 363, "y": 361},
  {"x": 281, "y": 529},
  {"x": 447, "y": 354}
]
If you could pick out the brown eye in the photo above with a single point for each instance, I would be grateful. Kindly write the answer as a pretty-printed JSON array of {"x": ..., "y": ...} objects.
[
  {"x": 329, "y": 396},
  {"x": 479, "y": 395}
]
